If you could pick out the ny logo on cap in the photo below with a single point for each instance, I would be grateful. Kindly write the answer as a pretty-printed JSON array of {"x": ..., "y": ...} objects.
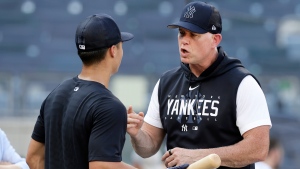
[
  {"x": 82, "y": 47},
  {"x": 190, "y": 11}
]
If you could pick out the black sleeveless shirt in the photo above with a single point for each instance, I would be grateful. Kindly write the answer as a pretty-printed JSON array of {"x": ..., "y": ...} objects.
[{"x": 200, "y": 112}]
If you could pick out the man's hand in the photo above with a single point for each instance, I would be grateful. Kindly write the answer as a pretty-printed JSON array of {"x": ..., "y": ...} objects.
[
  {"x": 179, "y": 156},
  {"x": 134, "y": 121},
  {"x": 184, "y": 166}
]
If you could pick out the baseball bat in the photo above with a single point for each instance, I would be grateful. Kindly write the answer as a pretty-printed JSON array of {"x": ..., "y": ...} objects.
[{"x": 209, "y": 162}]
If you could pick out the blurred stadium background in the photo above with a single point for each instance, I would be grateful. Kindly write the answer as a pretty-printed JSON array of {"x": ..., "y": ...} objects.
[{"x": 37, "y": 52}]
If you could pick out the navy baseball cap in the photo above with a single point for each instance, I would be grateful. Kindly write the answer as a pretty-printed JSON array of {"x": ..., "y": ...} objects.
[
  {"x": 199, "y": 17},
  {"x": 99, "y": 31}
]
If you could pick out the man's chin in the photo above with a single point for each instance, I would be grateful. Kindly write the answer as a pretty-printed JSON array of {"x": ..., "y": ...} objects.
[{"x": 185, "y": 61}]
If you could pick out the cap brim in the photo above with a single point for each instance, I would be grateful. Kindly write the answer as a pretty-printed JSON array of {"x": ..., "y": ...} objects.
[
  {"x": 188, "y": 26},
  {"x": 125, "y": 36}
]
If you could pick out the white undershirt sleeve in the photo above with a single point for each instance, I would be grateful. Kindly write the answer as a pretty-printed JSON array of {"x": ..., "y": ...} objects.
[
  {"x": 252, "y": 109},
  {"x": 152, "y": 116},
  {"x": 8, "y": 153}
]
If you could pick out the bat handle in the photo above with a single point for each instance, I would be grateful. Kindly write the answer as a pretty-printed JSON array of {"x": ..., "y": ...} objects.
[{"x": 211, "y": 161}]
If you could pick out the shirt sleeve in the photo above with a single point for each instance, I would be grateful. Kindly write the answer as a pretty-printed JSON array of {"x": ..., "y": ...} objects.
[
  {"x": 108, "y": 132},
  {"x": 9, "y": 154},
  {"x": 38, "y": 133},
  {"x": 252, "y": 109},
  {"x": 152, "y": 116}
]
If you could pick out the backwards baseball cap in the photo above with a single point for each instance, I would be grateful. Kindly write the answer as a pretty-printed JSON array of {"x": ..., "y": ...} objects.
[
  {"x": 99, "y": 31},
  {"x": 199, "y": 17}
]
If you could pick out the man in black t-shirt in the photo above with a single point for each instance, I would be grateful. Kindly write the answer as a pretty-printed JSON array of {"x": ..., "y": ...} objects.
[{"x": 81, "y": 123}]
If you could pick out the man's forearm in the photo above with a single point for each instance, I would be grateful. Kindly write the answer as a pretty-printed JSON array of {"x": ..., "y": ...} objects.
[
  {"x": 144, "y": 145},
  {"x": 231, "y": 156},
  {"x": 36, "y": 163},
  {"x": 252, "y": 148}
]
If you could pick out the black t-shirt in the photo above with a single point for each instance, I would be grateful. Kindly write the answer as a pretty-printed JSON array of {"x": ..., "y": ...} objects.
[{"x": 81, "y": 121}]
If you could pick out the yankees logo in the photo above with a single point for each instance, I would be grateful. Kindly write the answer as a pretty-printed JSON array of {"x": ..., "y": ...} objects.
[{"x": 190, "y": 11}]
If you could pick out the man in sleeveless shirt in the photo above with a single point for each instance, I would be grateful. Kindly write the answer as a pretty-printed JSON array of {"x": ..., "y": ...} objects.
[{"x": 209, "y": 104}]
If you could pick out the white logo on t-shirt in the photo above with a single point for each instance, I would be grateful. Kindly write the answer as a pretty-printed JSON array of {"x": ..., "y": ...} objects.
[
  {"x": 82, "y": 47},
  {"x": 192, "y": 88}
]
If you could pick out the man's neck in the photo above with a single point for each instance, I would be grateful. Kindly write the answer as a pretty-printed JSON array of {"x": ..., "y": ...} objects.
[{"x": 94, "y": 73}]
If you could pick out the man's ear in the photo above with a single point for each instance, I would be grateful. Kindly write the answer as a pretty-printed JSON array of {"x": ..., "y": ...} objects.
[
  {"x": 217, "y": 39},
  {"x": 112, "y": 50}
]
